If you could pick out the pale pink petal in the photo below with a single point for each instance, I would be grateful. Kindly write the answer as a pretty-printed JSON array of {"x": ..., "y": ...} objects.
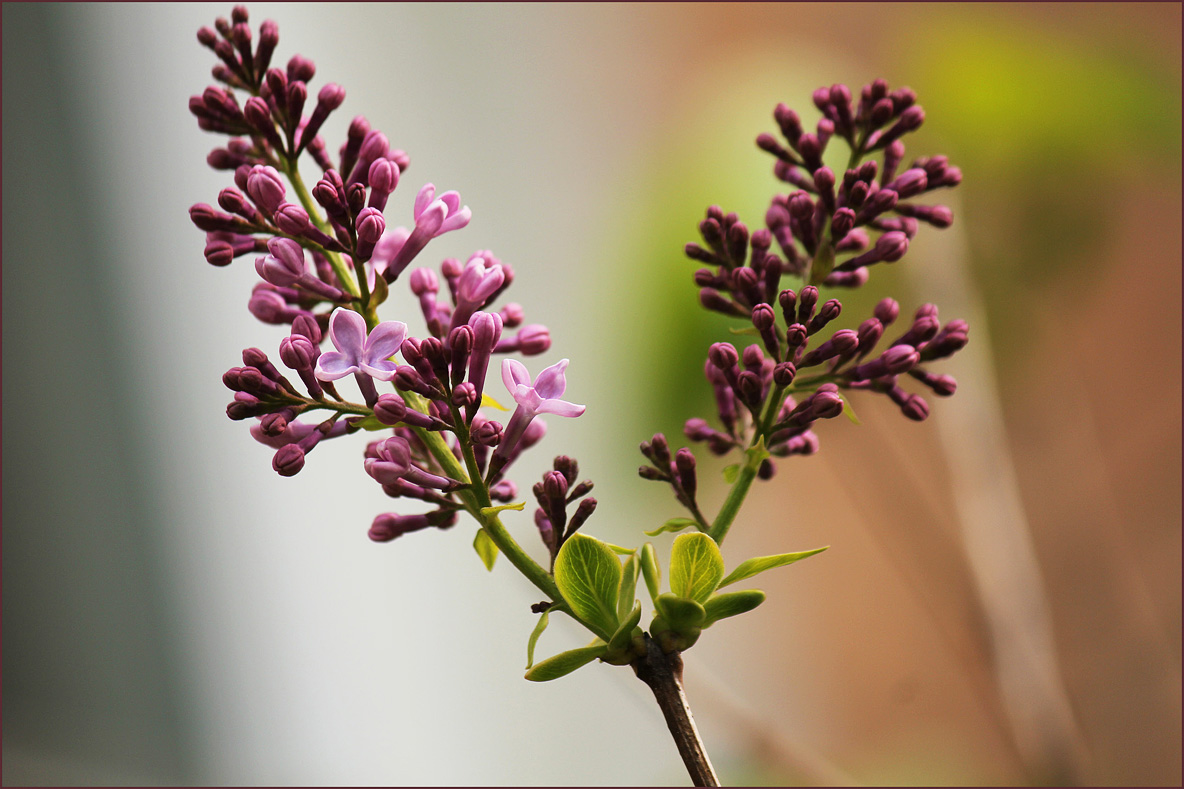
[
  {"x": 333, "y": 365},
  {"x": 432, "y": 218},
  {"x": 551, "y": 382},
  {"x": 384, "y": 340},
  {"x": 347, "y": 330},
  {"x": 455, "y": 222},
  {"x": 383, "y": 370},
  {"x": 452, "y": 200},
  {"x": 560, "y": 408},
  {"x": 423, "y": 199},
  {"x": 514, "y": 374},
  {"x": 528, "y": 399}
]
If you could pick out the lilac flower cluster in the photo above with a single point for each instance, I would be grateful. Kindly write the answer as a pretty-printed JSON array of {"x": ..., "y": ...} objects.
[
  {"x": 823, "y": 231},
  {"x": 326, "y": 277}
]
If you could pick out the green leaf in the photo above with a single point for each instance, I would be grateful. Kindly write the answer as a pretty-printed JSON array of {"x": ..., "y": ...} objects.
[
  {"x": 651, "y": 571},
  {"x": 588, "y": 574},
  {"x": 371, "y": 423},
  {"x": 681, "y": 613},
  {"x": 749, "y": 568},
  {"x": 622, "y": 551},
  {"x": 490, "y": 511},
  {"x": 487, "y": 401},
  {"x": 674, "y": 524},
  {"x": 624, "y": 632},
  {"x": 485, "y": 548},
  {"x": 849, "y": 412},
  {"x": 565, "y": 662},
  {"x": 726, "y": 604},
  {"x": 380, "y": 293},
  {"x": 731, "y": 472},
  {"x": 751, "y": 330},
  {"x": 534, "y": 638},
  {"x": 696, "y": 566},
  {"x": 627, "y": 594}
]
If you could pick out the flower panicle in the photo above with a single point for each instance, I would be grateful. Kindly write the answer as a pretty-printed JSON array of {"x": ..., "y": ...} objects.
[
  {"x": 828, "y": 232},
  {"x": 325, "y": 258}
]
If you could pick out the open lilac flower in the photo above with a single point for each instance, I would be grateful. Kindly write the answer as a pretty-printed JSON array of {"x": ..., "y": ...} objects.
[
  {"x": 478, "y": 282},
  {"x": 439, "y": 215},
  {"x": 358, "y": 352},
  {"x": 541, "y": 397},
  {"x": 434, "y": 216}
]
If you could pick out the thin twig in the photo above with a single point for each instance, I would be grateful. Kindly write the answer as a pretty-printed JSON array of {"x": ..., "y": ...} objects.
[{"x": 663, "y": 674}]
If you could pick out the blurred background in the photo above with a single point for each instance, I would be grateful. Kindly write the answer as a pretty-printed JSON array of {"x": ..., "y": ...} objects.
[{"x": 1001, "y": 603}]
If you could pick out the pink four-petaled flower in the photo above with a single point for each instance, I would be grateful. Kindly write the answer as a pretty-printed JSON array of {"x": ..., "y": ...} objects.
[
  {"x": 541, "y": 397},
  {"x": 358, "y": 351}
]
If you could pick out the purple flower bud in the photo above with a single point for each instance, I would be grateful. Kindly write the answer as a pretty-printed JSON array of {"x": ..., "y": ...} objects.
[
  {"x": 886, "y": 311},
  {"x": 512, "y": 315},
  {"x": 307, "y": 326},
  {"x": 370, "y": 227},
  {"x": 285, "y": 266},
  {"x": 827, "y": 313},
  {"x": 807, "y": 299},
  {"x": 910, "y": 183},
  {"x": 291, "y": 219},
  {"x": 795, "y": 337},
  {"x": 846, "y": 279},
  {"x": 489, "y": 434},
  {"x": 894, "y": 361},
  {"x": 388, "y": 526},
  {"x": 464, "y": 395},
  {"x": 301, "y": 68},
  {"x": 684, "y": 462},
  {"x": 951, "y": 339},
  {"x": 288, "y": 460},
  {"x": 724, "y": 356},
  {"x": 763, "y": 317},
  {"x": 530, "y": 340},
  {"x": 783, "y": 374},
  {"x": 487, "y": 331},
  {"x": 209, "y": 220},
  {"x": 580, "y": 516},
  {"x": 842, "y": 342},
  {"x": 764, "y": 320},
  {"x": 715, "y": 301},
  {"x": 910, "y": 120},
  {"x": 810, "y": 147},
  {"x": 913, "y": 406},
  {"x": 736, "y": 242},
  {"x": 269, "y": 306},
  {"x": 219, "y": 253},
  {"x": 842, "y": 223},
  {"x": 924, "y": 328},
  {"x": 824, "y": 182},
  {"x": 298, "y": 352},
  {"x": 789, "y": 123},
  {"x": 939, "y": 216},
  {"x": 383, "y": 178}
]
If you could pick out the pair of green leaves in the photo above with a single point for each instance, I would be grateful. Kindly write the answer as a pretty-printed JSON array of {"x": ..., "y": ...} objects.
[
  {"x": 601, "y": 593},
  {"x": 697, "y": 572}
]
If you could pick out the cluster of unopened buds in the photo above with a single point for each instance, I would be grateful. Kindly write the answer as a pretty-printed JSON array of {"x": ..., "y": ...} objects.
[
  {"x": 822, "y": 231},
  {"x": 326, "y": 261},
  {"x": 325, "y": 278}
]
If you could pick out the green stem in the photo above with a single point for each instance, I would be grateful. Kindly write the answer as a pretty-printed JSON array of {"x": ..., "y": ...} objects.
[
  {"x": 339, "y": 268},
  {"x": 476, "y": 499}
]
